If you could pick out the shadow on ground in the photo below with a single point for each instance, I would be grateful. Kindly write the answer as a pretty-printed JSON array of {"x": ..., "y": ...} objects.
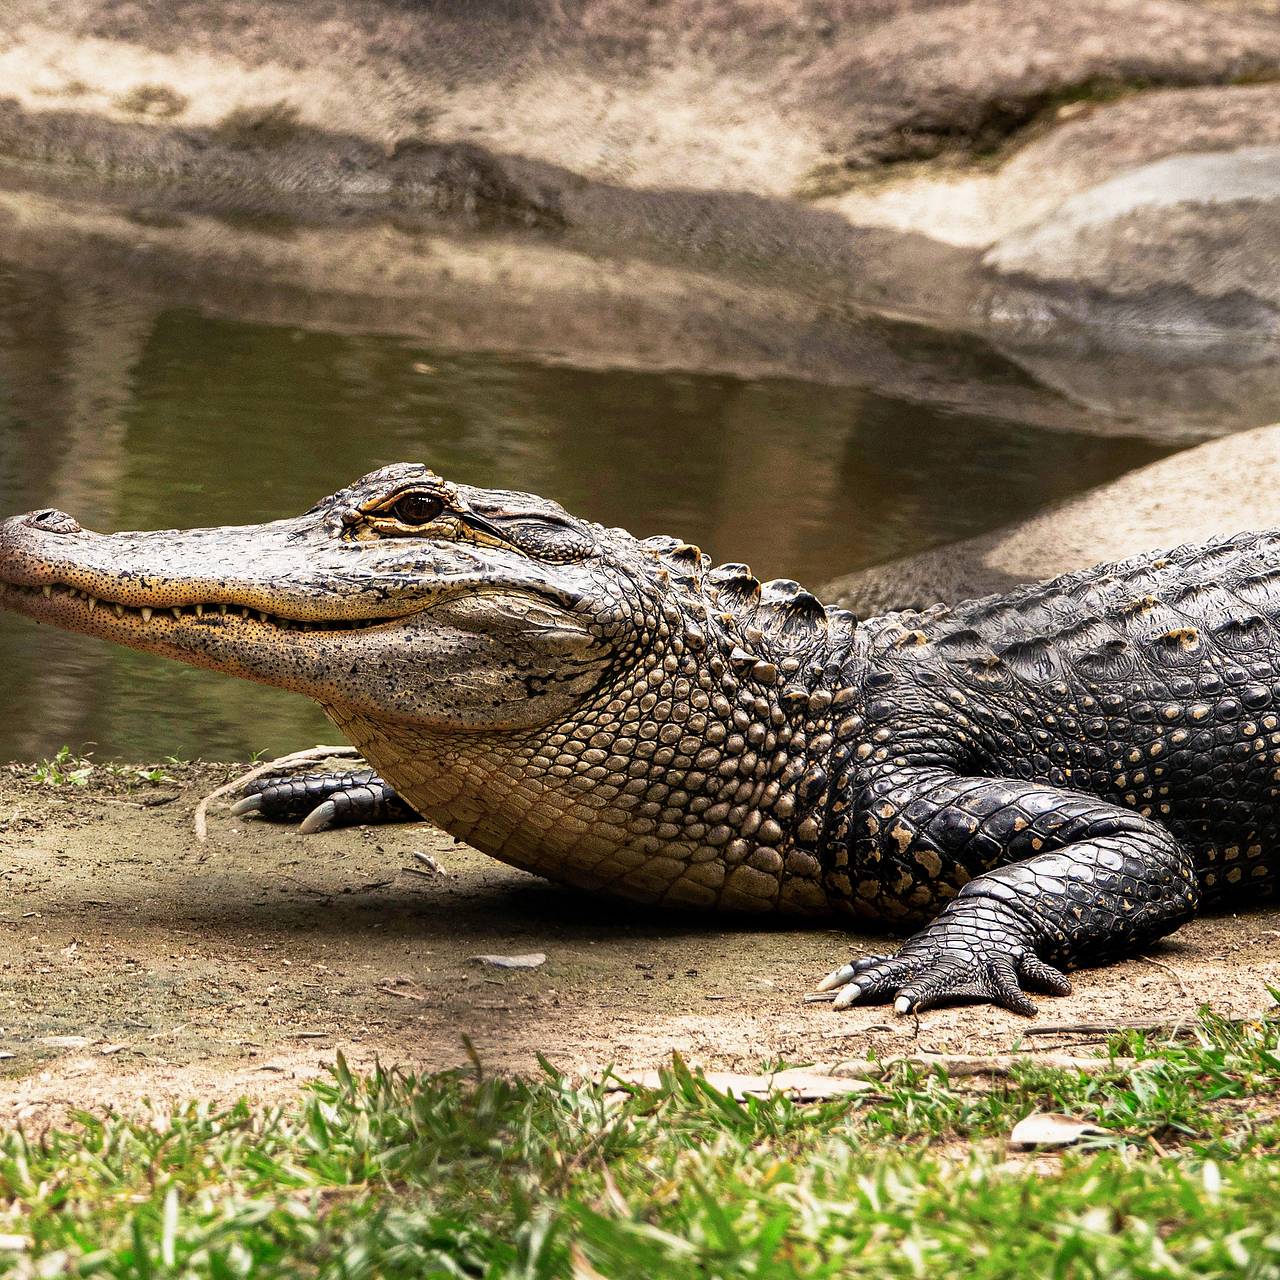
[{"x": 136, "y": 962}]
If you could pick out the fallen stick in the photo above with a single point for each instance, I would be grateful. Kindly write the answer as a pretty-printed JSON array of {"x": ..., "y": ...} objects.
[
  {"x": 311, "y": 756},
  {"x": 1178, "y": 1026},
  {"x": 1169, "y": 969},
  {"x": 971, "y": 1064},
  {"x": 804, "y": 1085}
]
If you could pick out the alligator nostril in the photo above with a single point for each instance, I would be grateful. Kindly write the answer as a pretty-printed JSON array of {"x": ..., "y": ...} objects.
[{"x": 53, "y": 521}]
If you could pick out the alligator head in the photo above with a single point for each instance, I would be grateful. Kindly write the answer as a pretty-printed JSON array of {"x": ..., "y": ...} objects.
[{"x": 565, "y": 696}]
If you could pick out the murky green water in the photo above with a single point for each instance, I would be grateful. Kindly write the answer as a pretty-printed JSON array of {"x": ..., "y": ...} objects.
[{"x": 132, "y": 417}]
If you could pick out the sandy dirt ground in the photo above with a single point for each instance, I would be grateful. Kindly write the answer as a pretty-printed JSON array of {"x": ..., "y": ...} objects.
[{"x": 137, "y": 963}]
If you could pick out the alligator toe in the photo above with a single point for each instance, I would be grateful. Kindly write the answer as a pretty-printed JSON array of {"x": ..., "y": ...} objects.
[{"x": 317, "y": 801}]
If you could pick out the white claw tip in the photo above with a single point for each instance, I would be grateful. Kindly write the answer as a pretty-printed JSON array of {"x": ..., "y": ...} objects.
[
  {"x": 836, "y": 978},
  {"x": 902, "y": 1004},
  {"x": 250, "y": 804},
  {"x": 847, "y": 996},
  {"x": 318, "y": 819}
]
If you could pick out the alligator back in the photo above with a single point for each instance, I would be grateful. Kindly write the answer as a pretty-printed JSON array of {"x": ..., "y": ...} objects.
[{"x": 1153, "y": 682}]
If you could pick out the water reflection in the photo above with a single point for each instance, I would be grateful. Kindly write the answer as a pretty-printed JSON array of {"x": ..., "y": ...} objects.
[{"x": 137, "y": 417}]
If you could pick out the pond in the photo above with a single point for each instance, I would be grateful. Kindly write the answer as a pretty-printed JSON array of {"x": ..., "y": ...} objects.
[{"x": 136, "y": 416}]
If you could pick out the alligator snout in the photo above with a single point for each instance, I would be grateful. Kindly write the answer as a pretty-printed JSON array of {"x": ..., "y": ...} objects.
[
  {"x": 28, "y": 542},
  {"x": 51, "y": 520}
]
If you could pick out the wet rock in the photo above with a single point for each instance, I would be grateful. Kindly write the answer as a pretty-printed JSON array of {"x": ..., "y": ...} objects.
[
  {"x": 1184, "y": 245},
  {"x": 947, "y": 78},
  {"x": 457, "y": 180},
  {"x": 1078, "y": 145},
  {"x": 270, "y": 165},
  {"x": 1127, "y": 250},
  {"x": 1221, "y": 487},
  {"x": 1151, "y": 216}
]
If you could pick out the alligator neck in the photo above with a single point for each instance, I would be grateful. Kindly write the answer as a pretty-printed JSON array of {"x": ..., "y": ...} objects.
[{"x": 693, "y": 780}]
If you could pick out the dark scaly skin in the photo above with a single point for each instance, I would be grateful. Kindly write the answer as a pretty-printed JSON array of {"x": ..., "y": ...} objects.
[
  {"x": 323, "y": 800},
  {"x": 1050, "y": 778}
]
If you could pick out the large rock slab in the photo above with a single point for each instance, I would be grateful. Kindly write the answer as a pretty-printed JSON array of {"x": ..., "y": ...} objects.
[
  {"x": 1153, "y": 215},
  {"x": 1184, "y": 245},
  {"x": 807, "y": 159},
  {"x": 1221, "y": 487},
  {"x": 743, "y": 95},
  {"x": 1076, "y": 146}
]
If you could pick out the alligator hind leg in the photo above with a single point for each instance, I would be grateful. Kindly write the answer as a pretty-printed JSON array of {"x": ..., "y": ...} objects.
[
  {"x": 320, "y": 800},
  {"x": 1073, "y": 880}
]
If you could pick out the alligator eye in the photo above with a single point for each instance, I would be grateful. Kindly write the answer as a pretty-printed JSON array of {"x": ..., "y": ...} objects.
[{"x": 417, "y": 508}]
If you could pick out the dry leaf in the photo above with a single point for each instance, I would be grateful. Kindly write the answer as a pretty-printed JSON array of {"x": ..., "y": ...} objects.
[
  {"x": 1051, "y": 1129},
  {"x": 803, "y": 1085},
  {"x": 580, "y": 1267}
]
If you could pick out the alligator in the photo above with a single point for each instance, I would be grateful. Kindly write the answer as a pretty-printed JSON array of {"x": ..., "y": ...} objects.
[{"x": 1033, "y": 782}]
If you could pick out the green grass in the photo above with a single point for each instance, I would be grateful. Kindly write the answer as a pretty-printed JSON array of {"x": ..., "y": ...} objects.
[
  {"x": 66, "y": 769},
  {"x": 392, "y": 1175}
]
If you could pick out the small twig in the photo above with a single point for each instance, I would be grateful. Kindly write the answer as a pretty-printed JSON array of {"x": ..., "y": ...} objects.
[
  {"x": 169, "y": 1031},
  {"x": 281, "y": 762},
  {"x": 420, "y": 996},
  {"x": 1101, "y": 1028},
  {"x": 804, "y": 1084},
  {"x": 1169, "y": 969}
]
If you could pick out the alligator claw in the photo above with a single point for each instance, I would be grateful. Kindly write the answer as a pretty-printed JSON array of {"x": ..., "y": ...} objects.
[
  {"x": 836, "y": 978},
  {"x": 319, "y": 818},
  {"x": 921, "y": 981},
  {"x": 317, "y": 801},
  {"x": 979, "y": 951}
]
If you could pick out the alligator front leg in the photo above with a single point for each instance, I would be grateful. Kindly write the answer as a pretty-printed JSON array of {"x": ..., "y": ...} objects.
[
  {"x": 1070, "y": 880},
  {"x": 320, "y": 800}
]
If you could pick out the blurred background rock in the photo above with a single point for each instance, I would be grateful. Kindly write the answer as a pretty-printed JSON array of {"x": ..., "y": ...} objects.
[{"x": 822, "y": 284}]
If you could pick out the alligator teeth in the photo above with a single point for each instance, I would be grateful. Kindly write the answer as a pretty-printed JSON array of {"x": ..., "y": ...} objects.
[
  {"x": 48, "y": 592},
  {"x": 244, "y": 613},
  {"x": 146, "y": 614},
  {"x": 93, "y": 603},
  {"x": 119, "y": 608},
  {"x": 262, "y": 615},
  {"x": 222, "y": 609},
  {"x": 199, "y": 611},
  {"x": 177, "y": 613}
]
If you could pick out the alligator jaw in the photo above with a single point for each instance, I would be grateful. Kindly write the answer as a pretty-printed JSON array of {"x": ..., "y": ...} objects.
[
  {"x": 75, "y": 609},
  {"x": 235, "y": 599}
]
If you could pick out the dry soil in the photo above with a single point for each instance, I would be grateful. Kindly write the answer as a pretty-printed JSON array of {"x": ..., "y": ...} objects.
[{"x": 137, "y": 963}]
